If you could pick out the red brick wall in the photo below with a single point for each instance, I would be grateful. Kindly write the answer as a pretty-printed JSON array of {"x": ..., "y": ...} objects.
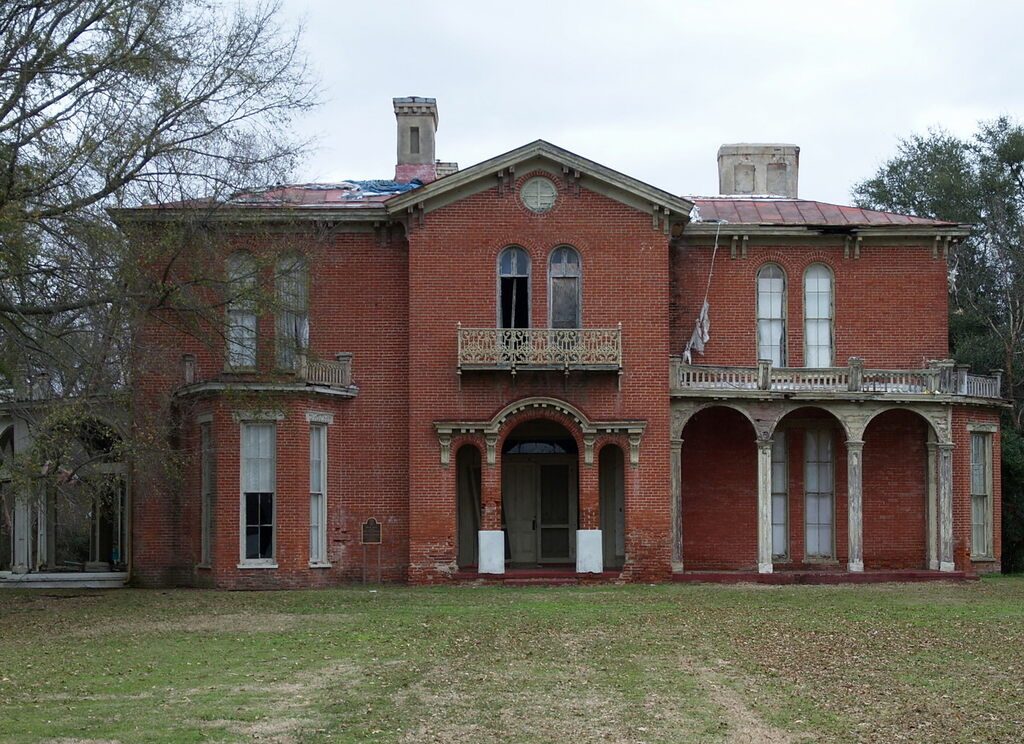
[
  {"x": 867, "y": 292},
  {"x": 452, "y": 270},
  {"x": 963, "y": 416},
  {"x": 358, "y": 303},
  {"x": 719, "y": 491},
  {"x": 895, "y": 491}
]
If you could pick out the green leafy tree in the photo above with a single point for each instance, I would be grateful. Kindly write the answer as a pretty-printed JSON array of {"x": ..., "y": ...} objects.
[{"x": 979, "y": 181}]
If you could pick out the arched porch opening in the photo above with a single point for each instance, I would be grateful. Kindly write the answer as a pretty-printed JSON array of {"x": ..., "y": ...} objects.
[
  {"x": 612, "y": 488},
  {"x": 540, "y": 494},
  {"x": 897, "y": 503},
  {"x": 809, "y": 498},
  {"x": 467, "y": 490},
  {"x": 719, "y": 491}
]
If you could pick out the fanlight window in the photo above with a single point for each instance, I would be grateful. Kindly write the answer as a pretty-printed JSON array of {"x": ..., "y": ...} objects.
[
  {"x": 292, "y": 285},
  {"x": 514, "y": 288},
  {"x": 818, "y": 317},
  {"x": 564, "y": 288},
  {"x": 241, "y": 304},
  {"x": 771, "y": 314}
]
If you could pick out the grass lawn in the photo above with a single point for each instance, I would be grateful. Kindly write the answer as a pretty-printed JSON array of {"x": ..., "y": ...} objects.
[{"x": 919, "y": 662}]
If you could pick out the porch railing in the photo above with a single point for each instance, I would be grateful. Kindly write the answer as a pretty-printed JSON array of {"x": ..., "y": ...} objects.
[
  {"x": 540, "y": 348},
  {"x": 942, "y": 377},
  {"x": 325, "y": 372}
]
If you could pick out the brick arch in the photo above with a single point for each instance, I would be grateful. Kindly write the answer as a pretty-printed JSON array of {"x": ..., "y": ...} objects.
[
  {"x": 570, "y": 423},
  {"x": 940, "y": 433},
  {"x": 681, "y": 418}
]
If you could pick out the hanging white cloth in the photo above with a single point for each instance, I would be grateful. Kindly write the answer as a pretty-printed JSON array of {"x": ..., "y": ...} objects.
[{"x": 702, "y": 329}]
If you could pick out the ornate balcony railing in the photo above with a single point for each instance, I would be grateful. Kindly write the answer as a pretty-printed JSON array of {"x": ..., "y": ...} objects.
[
  {"x": 540, "y": 348},
  {"x": 943, "y": 377}
]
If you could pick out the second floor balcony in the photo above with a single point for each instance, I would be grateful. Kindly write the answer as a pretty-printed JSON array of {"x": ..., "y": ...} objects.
[
  {"x": 939, "y": 378},
  {"x": 558, "y": 349}
]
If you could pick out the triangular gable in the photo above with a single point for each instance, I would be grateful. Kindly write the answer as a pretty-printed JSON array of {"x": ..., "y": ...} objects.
[{"x": 665, "y": 208}]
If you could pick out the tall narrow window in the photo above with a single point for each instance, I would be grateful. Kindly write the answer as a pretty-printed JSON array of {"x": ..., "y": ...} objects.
[
  {"x": 414, "y": 140},
  {"x": 981, "y": 495},
  {"x": 564, "y": 288},
  {"x": 514, "y": 288},
  {"x": 771, "y": 314},
  {"x": 317, "y": 494},
  {"x": 241, "y": 304},
  {"x": 818, "y": 316},
  {"x": 292, "y": 285},
  {"x": 206, "y": 492},
  {"x": 780, "y": 496},
  {"x": 258, "y": 490},
  {"x": 819, "y": 494}
]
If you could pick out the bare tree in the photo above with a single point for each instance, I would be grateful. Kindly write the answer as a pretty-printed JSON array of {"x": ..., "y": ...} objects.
[{"x": 113, "y": 104}]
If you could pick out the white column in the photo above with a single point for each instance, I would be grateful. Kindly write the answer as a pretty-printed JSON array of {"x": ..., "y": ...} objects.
[
  {"x": 22, "y": 533},
  {"x": 491, "y": 553},
  {"x": 764, "y": 506},
  {"x": 855, "y": 504},
  {"x": 932, "y": 511},
  {"x": 677, "y": 504},
  {"x": 945, "y": 453}
]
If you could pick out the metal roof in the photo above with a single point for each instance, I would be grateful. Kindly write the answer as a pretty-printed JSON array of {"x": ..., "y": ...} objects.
[{"x": 781, "y": 211}]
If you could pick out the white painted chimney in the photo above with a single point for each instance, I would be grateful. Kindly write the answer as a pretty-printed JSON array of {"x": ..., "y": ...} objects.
[{"x": 758, "y": 169}]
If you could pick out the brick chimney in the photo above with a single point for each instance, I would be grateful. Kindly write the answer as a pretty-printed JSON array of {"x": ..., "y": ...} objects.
[
  {"x": 417, "y": 125},
  {"x": 758, "y": 169}
]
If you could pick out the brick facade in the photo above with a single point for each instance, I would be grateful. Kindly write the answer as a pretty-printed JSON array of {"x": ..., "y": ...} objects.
[{"x": 391, "y": 285}]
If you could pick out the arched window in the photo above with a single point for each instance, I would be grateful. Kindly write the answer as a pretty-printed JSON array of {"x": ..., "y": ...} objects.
[
  {"x": 292, "y": 286},
  {"x": 818, "y": 349},
  {"x": 514, "y": 288},
  {"x": 771, "y": 314},
  {"x": 564, "y": 288},
  {"x": 241, "y": 304}
]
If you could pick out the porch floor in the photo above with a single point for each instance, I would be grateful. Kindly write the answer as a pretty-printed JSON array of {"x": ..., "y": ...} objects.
[
  {"x": 64, "y": 579},
  {"x": 540, "y": 575},
  {"x": 876, "y": 576}
]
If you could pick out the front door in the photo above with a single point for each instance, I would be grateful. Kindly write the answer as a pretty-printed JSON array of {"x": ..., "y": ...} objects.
[
  {"x": 539, "y": 501},
  {"x": 519, "y": 504}
]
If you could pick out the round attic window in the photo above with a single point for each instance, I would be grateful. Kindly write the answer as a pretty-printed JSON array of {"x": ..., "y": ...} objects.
[{"x": 538, "y": 194}]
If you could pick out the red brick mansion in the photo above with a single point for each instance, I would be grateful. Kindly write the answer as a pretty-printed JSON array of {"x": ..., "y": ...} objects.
[{"x": 540, "y": 366}]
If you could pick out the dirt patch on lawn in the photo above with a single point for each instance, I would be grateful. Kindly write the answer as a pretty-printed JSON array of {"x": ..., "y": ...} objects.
[{"x": 743, "y": 724}]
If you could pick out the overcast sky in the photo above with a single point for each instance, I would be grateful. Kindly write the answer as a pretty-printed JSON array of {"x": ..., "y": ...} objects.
[{"x": 653, "y": 88}]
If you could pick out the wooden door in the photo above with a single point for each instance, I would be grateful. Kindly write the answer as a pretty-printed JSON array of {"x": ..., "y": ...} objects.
[{"x": 519, "y": 496}]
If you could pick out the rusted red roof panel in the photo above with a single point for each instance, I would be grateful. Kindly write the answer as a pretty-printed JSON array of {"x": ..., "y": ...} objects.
[{"x": 802, "y": 212}]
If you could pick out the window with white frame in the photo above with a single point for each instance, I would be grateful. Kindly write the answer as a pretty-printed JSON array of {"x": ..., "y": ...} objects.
[
  {"x": 206, "y": 492},
  {"x": 564, "y": 288},
  {"x": 258, "y": 492},
  {"x": 819, "y": 494},
  {"x": 780, "y": 496},
  {"x": 771, "y": 314},
  {"x": 317, "y": 494},
  {"x": 818, "y": 351},
  {"x": 241, "y": 305},
  {"x": 291, "y": 281},
  {"x": 981, "y": 495}
]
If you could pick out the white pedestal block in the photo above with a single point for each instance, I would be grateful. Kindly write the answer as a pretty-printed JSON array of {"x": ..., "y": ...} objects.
[
  {"x": 491, "y": 556},
  {"x": 589, "y": 551}
]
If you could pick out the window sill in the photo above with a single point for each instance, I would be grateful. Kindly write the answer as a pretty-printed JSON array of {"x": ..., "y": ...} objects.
[
  {"x": 982, "y": 559},
  {"x": 257, "y": 564},
  {"x": 319, "y": 564},
  {"x": 204, "y": 566}
]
